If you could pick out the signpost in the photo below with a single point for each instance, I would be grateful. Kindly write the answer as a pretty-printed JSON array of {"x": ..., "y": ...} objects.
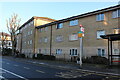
[{"x": 80, "y": 36}]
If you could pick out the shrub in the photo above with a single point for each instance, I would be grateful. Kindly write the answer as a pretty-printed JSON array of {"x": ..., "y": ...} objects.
[
  {"x": 49, "y": 57},
  {"x": 22, "y": 55},
  {"x": 96, "y": 60}
]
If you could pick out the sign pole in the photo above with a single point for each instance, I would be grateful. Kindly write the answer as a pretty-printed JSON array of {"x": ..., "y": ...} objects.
[
  {"x": 80, "y": 55},
  {"x": 81, "y": 43}
]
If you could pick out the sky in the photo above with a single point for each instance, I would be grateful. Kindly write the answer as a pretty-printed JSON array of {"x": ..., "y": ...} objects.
[{"x": 54, "y": 10}]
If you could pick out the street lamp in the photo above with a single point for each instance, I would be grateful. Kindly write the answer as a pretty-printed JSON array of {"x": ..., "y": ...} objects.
[{"x": 80, "y": 36}]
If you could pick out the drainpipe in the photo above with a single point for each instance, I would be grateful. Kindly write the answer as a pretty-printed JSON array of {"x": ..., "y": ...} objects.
[{"x": 51, "y": 41}]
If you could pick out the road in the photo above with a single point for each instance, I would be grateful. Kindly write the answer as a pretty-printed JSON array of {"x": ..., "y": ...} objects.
[{"x": 19, "y": 70}]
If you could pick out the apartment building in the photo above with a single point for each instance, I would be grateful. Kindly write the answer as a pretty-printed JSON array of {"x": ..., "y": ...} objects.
[
  {"x": 27, "y": 35},
  {"x": 61, "y": 38},
  {"x": 5, "y": 41}
]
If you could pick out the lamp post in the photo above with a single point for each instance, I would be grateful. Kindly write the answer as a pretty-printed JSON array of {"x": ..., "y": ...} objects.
[{"x": 80, "y": 36}]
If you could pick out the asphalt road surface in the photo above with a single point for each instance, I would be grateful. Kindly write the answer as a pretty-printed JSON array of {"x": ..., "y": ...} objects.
[{"x": 20, "y": 70}]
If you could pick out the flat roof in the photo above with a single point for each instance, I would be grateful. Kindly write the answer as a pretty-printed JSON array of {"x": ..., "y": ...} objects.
[{"x": 111, "y": 37}]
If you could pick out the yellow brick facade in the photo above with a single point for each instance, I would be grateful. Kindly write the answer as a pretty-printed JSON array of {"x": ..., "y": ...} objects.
[{"x": 44, "y": 38}]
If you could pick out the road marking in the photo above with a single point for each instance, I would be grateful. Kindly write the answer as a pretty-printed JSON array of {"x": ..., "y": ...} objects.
[
  {"x": 40, "y": 71},
  {"x": 26, "y": 68},
  {"x": 16, "y": 65},
  {"x": 13, "y": 74}
]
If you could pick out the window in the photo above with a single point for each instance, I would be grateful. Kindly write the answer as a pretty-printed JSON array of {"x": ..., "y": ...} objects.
[
  {"x": 31, "y": 31},
  {"x": 59, "y": 38},
  {"x": 45, "y": 51},
  {"x": 28, "y": 33},
  {"x": 60, "y": 25},
  {"x": 73, "y": 37},
  {"x": 116, "y": 51},
  {"x": 58, "y": 51},
  {"x": 73, "y": 52},
  {"x": 30, "y": 41},
  {"x": 41, "y": 30},
  {"x": 116, "y": 13},
  {"x": 99, "y": 33},
  {"x": 46, "y": 28},
  {"x": 39, "y": 50},
  {"x": 45, "y": 39},
  {"x": 101, "y": 52},
  {"x": 73, "y": 22},
  {"x": 40, "y": 40},
  {"x": 100, "y": 17}
]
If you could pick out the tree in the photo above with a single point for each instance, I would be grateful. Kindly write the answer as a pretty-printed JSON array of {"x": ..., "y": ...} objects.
[
  {"x": 13, "y": 25},
  {"x": 3, "y": 40}
]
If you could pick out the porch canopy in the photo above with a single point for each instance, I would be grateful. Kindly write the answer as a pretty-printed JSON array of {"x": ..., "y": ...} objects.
[{"x": 110, "y": 38}]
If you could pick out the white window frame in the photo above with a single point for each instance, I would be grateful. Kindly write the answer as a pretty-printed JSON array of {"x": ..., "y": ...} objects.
[
  {"x": 73, "y": 22},
  {"x": 116, "y": 13},
  {"x": 99, "y": 33},
  {"x": 59, "y": 38},
  {"x": 73, "y": 53},
  {"x": 73, "y": 37},
  {"x": 100, "y": 17},
  {"x": 58, "y": 51},
  {"x": 101, "y": 53}
]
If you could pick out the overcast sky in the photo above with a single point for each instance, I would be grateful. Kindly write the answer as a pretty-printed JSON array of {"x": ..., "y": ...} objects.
[{"x": 54, "y": 10}]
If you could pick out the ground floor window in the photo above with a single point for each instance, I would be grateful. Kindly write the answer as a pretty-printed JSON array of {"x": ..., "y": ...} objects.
[
  {"x": 58, "y": 51},
  {"x": 73, "y": 52},
  {"x": 101, "y": 52},
  {"x": 116, "y": 51}
]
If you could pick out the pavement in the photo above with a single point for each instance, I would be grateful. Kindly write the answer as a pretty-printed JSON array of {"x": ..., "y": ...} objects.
[{"x": 71, "y": 65}]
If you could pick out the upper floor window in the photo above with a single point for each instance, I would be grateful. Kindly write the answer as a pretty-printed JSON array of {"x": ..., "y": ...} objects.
[
  {"x": 30, "y": 42},
  {"x": 46, "y": 28},
  {"x": 41, "y": 29},
  {"x": 60, "y": 25},
  {"x": 59, "y": 38},
  {"x": 73, "y": 37},
  {"x": 116, "y": 13},
  {"x": 45, "y": 39},
  {"x": 99, "y": 33},
  {"x": 73, "y": 22},
  {"x": 31, "y": 31},
  {"x": 100, "y": 17}
]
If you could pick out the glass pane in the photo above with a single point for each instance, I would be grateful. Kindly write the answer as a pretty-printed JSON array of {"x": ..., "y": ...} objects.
[{"x": 99, "y": 52}]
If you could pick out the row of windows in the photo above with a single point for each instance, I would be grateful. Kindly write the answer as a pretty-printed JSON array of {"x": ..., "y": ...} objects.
[
  {"x": 74, "y": 52},
  {"x": 27, "y": 25},
  {"x": 72, "y": 37},
  {"x": 29, "y": 42},
  {"x": 99, "y": 17}
]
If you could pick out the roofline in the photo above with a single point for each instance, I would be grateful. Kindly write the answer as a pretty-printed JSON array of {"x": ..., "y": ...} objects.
[
  {"x": 35, "y": 17},
  {"x": 82, "y": 15}
]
